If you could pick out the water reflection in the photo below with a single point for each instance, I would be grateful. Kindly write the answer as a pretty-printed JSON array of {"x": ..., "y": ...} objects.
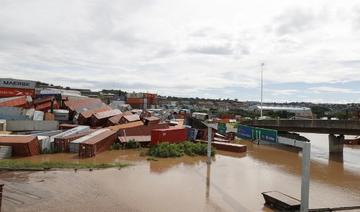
[
  {"x": 208, "y": 169},
  {"x": 164, "y": 164}
]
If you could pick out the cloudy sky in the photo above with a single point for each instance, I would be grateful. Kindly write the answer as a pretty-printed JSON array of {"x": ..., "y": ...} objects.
[{"x": 311, "y": 49}]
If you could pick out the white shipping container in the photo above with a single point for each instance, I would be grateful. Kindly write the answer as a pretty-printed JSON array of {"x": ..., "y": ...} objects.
[
  {"x": 17, "y": 83},
  {"x": 2, "y": 125},
  {"x": 61, "y": 115},
  {"x": 38, "y": 116},
  {"x": 31, "y": 125},
  {"x": 44, "y": 143},
  {"x": 5, "y": 152},
  {"x": 78, "y": 129},
  {"x": 74, "y": 145}
]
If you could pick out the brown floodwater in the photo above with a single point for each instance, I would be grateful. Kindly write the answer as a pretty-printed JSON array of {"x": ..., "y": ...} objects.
[{"x": 233, "y": 182}]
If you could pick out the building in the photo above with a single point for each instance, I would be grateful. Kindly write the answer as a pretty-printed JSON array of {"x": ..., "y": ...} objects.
[{"x": 298, "y": 111}]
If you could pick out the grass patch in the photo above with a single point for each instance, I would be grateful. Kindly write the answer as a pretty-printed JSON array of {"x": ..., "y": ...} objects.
[
  {"x": 165, "y": 150},
  {"x": 20, "y": 164}
]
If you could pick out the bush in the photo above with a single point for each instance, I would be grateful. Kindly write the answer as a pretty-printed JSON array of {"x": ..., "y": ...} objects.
[
  {"x": 165, "y": 150},
  {"x": 132, "y": 145},
  {"x": 116, "y": 146}
]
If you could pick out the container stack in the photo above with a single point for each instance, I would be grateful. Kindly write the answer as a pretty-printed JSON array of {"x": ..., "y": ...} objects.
[{"x": 97, "y": 144}]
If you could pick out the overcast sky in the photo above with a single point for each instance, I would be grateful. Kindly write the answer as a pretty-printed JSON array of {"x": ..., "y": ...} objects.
[{"x": 311, "y": 49}]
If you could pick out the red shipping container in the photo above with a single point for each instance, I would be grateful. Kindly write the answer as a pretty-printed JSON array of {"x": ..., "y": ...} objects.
[
  {"x": 20, "y": 101},
  {"x": 10, "y": 92},
  {"x": 171, "y": 135},
  {"x": 97, "y": 144},
  {"x": 21, "y": 145},
  {"x": 62, "y": 144}
]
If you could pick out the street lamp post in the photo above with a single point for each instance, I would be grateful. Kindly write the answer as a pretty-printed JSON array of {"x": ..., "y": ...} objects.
[{"x": 262, "y": 85}]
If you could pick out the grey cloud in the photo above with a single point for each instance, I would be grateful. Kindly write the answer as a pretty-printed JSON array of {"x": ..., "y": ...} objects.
[
  {"x": 212, "y": 50},
  {"x": 350, "y": 63},
  {"x": 356, "y": 18},
  {"x": 295, "y": 20}
]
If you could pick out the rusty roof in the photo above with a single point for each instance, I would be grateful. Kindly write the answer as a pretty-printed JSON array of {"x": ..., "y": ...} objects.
[
  {"x": 125, "y": 126},
  {"x": 152, "y": 118},
  {"x": 107, "y": 114},
  {"x": 99, "y": 137},
  {"x": 140, "y": 138},
  {"x": 89, "y": 113},
  {"x": 13, "y": 101},
  {"x": 80, "y": 104},
  {"x": 17, "y": 139},
  {"x": 115, "y": 119},
  {"x": 132, "y": 118}
]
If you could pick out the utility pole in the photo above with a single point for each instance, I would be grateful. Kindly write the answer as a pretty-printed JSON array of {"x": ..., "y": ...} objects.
[
  {"x": 209, "y": 144},
  {"x": 262, "y": 85}
]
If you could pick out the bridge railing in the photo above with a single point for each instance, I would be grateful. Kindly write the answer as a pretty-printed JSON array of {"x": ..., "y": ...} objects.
[{"x": 330, "y": 124}]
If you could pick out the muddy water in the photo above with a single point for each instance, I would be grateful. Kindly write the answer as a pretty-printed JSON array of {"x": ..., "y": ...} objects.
[{"x": 233, "y": 182}]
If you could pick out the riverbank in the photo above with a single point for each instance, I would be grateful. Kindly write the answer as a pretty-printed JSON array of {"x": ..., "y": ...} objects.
[{"x": 21, "y": 165}]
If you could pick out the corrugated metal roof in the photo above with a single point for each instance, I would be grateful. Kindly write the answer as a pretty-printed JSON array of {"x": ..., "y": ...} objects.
[
  {"x": 107, "y": 114},
  {"x": 86, "y": 103},
  {"x": 152, "y": 118},
  {"x": 13, "y": 101},
  {"x": 132, "y": 118},
  {"x": 141, "y": 138},
  {"x": 125, "y": 126},
  {"x": 99, "y": 137},
  {"x": 17, "y": 139},
  {"x": 115, "y": 119},
  {"x": 89, "y": 113}
]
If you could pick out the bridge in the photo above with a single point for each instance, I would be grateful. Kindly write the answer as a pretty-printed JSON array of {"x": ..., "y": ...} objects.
[{"x": 331, "y": 127}]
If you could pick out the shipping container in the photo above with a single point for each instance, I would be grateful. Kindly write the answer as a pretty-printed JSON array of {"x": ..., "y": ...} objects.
[
  {"x": 72, "y": 131},
  {"x": 141, "y": 130},
  {"x": 135, "y": 101},
  {"x": 139, "y": 139},
  {"x": 10, "y": 92},
  {"x": 44, "y": 143},
  {"x": 114, "y": 120},
  {"x": 74, "y": 145},
  {"x": 5, "y": 152},
  {"x": 21, "y": 101},
  {"x": 17, "y": 83},
  {"x": 25, "y": 145},
  {"x": 171, "y": 135},
  {"x": 151, "y": 120},
  {"x": 30, "y": 125},
  {"x": 62, "y": 144},
  {"x": 38, "y": 116},
  {"x": 61, "y": 115},
  {"x": 228, "y": 147},
  {"x": 97, "y": 144},
  {"x": 192, "y": 134},
  {"x": 49, "y": 117},
  {"x": 100, "y": 119},
  {"x": 129, "y": 118},
  {"x": 84, "y": 117},
  {"x": 126, "y": 126}
]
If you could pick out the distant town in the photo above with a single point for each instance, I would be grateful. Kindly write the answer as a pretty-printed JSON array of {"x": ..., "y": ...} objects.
[{"x": 232, "y": 108}]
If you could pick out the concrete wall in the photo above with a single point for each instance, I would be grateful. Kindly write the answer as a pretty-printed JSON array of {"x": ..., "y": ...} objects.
[{"x": 317, "y": 126}]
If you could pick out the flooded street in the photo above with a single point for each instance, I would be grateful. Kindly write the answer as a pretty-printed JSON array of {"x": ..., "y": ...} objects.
[{"x": 233, "y": 182}]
